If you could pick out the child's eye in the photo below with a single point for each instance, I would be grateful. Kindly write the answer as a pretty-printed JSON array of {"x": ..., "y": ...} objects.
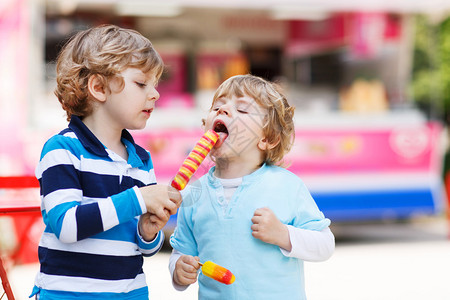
[
  {"x": 140, "y": 84},
  {"x": 242, "y": 111}
]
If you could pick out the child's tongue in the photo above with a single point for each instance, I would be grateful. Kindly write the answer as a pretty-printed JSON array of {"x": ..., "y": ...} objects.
[{"x": 222, "y": 137}]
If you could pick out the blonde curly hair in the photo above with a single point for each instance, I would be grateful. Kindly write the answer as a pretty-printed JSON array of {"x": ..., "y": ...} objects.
[
  {"x": 278, "y": 125},
  {"x": 103, "y": 51}
]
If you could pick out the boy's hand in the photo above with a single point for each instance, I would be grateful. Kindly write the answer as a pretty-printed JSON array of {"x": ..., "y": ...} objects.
[
  {"x": 186, "y": 268},
  {"x": 150, "y": 225},
  {"x": 160, "y": 200},
  {"x": 269, "y": 229}
]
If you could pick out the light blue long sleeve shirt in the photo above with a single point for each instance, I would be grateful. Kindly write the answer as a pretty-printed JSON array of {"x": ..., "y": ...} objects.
[{"x": 222, "y": 234}]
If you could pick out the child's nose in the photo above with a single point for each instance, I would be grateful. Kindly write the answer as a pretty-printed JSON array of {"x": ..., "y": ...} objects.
[
  {"x": 224, "y": 109},
  {"x": 153, "y": 95}
]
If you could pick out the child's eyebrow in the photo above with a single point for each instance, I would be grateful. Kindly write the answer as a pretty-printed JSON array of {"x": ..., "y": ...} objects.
[
  {"x": 246, "y": 102},
  {"x": 142, "y": 74},
  {"x": 219, "y": 100}
]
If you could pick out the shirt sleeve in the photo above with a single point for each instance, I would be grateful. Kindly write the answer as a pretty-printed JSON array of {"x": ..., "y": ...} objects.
[
  {"x": 149, "y": 248},
  {"x": 310, "y": 245},
  {"x": 182, "y": 238},
  {"x": 62, "y": 195},
  {"x": 308, "y": 216}
]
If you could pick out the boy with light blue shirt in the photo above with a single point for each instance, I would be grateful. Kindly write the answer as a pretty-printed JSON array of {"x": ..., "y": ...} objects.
[{"x": 249, "y": 214}]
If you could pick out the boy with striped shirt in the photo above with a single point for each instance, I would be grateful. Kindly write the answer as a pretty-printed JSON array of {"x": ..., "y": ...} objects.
[{"x": 101, "y": 205}]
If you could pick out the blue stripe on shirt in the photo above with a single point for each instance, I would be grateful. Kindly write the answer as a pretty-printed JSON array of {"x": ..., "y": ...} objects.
[
  {"x": 141, "y": 293},
  {"x": 99, "y": 185},
  {"x": 89, "y": 220},
  {"x": 106, "y": 267},
  {"x": 58, "y": 178},
  {"x": 124, "y": 232},
  {"x": 127, "y": 208}
]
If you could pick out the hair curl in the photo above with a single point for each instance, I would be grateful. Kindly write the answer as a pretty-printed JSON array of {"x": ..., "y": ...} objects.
[
  {"x": 103, "y": 51},
  {"x": 278, "y": 125}
]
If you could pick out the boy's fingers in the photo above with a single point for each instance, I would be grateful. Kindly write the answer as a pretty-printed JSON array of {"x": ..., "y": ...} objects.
[
  {"x": 256, "y": 219},
  {"x": 190, "y": 269},
  {"x": 195, "y": 263},
  {"x": 261, "y": 211},
  {"x": 197, "y": 259},
  {"x": 258, "y": 212},
  {"x": 171, "y": 208},
  {"x": 174, "y": 195},
  {"x": 161, "y": 213},
  {"x": 191, "y": 263},
  {"x": 154, "y": 218}
]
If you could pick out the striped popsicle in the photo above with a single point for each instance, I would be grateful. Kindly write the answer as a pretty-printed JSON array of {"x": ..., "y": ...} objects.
[{"x": 194, "y": 159}]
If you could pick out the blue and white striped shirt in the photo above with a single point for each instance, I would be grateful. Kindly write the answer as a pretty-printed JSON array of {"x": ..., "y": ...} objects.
[{"x": 91, "y": 205}]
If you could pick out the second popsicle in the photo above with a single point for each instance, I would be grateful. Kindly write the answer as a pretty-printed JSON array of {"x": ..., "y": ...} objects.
[{"x": 217, "y": 272}]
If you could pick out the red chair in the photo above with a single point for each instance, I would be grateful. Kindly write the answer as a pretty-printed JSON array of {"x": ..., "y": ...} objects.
[{"x": 15, "y": 207}]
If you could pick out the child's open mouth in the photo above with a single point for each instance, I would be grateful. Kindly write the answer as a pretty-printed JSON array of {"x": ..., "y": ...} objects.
[{"x": 222, "y": 131}]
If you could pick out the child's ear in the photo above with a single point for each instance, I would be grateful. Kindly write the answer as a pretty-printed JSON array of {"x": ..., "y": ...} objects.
[
  {"x": 96, "y": 88},
  {"x": 264, "y": 144},
  {"x": 203, "y": 124}
]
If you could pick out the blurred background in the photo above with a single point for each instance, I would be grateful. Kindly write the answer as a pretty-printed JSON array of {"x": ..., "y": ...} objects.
[{"x": 370, "y": 81}]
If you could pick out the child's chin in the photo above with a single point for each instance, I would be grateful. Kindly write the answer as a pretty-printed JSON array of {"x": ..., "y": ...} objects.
[
  {"x": 217, "y": 153},
  {"x": 138, "y": 126}
]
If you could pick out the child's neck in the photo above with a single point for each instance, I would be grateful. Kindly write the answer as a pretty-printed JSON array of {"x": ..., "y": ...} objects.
[
  {"x": 227, "y": 168},
  {"x": 110, "y": 138}
]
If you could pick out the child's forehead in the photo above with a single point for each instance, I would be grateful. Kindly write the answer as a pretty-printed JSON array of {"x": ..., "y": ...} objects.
[
  {"x": 236, "y": 98},
  {"x": 239, "y": 98},
  {"x": 139, "y": 72}
]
